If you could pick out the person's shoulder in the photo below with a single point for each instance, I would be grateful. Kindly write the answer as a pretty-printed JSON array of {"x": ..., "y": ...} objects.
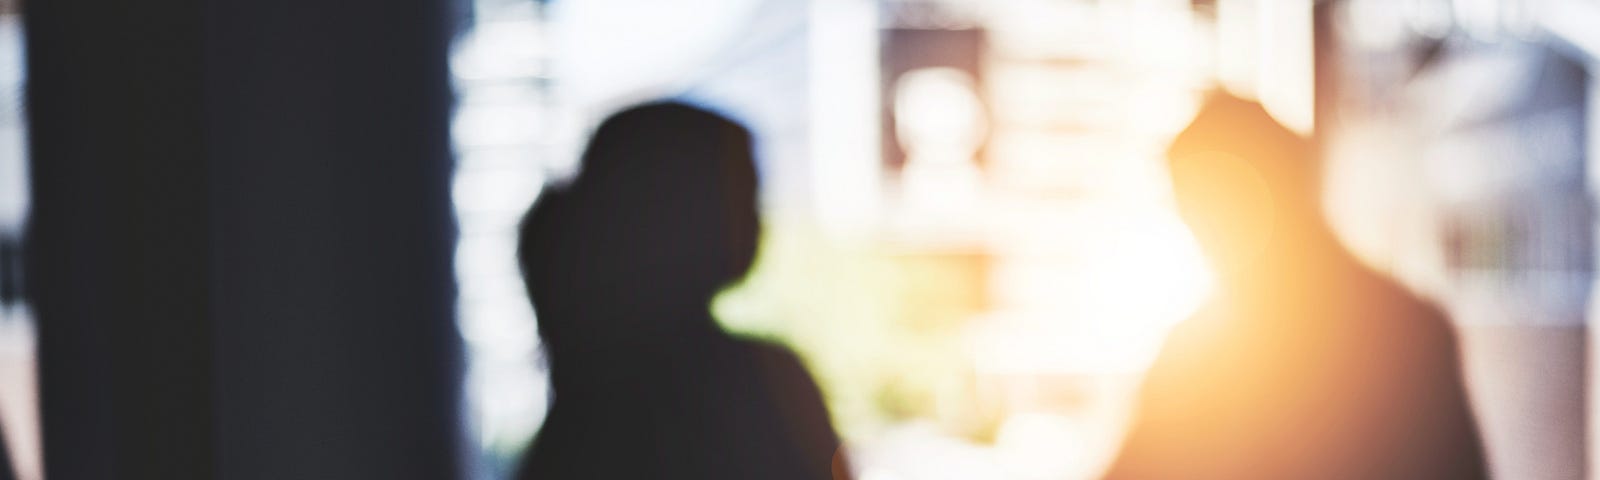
[
  {"x": 1420, "y": 317},
  {"x": 1402, "y": 324},
  {"x": 780, "y": 369},
  {"x": 771, "y": 357}
]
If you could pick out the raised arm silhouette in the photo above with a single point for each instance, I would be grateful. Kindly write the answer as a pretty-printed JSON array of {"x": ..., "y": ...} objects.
[{"x": 621, "y": 265}]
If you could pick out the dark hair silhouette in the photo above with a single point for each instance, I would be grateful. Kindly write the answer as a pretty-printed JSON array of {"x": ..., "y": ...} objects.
[
  {"x": 662, "y": 215},
  {"x": 621, "y": 265},
  {"x": 1306, "y": 365}
]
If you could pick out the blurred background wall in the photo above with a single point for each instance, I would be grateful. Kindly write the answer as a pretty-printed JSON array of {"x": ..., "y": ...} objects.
[{"x": 990, "y": 281}]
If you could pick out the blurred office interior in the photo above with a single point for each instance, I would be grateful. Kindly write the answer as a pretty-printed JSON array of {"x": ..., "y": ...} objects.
[
  {"x": 970, "y": 234},
  {"x": 970, "y": 237}
]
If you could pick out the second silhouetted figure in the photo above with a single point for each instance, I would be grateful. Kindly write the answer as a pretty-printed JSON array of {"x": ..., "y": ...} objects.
[
  {"x": 1307, "y": 365},
  {"x": 621, "y": 266}
]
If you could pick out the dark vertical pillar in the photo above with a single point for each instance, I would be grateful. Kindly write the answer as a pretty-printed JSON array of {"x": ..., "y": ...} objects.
[
  {"x": 241, "y": 238},
  {"x": 336, "y": 349},
  {"x": 119, "y": 239}
]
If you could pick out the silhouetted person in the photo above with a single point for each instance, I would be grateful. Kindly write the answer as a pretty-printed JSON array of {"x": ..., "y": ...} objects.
[
  {"x": 621, "y": 266},
  {"x": 1305, "y": 365}
]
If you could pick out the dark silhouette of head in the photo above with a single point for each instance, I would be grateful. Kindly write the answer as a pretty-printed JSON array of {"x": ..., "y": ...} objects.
[
  {"x": 662, "y": 215},
  {"x": 1242, "y": 182}
]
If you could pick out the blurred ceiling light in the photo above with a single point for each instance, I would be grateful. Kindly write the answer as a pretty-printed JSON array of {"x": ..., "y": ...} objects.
[
  {"x": 1431, "y": 18},
  {"x": 1264, "y": 52},
  {"x": 506, "y": 191},
  {"x": 1285, "y": 72},
  {"x": 612, "y": 52},
  {"x": 1574, "y": 23},
  {"x": 1375, "y": 24},
  {"x": 940, "y": 118},
  {"x": 1481, "y": 19},
  {"x": 940, "y": 124},
  {"x": 14, "y": 186},
  {"x": 1041, "y": 29},
  {"x": 1390, "y": 24},
  {"x": 498, "y": 50},
  {"x": 844, "y": 115},
  {"x": 1238, "y": 46},
  {"x": 499, "y": 125}
]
